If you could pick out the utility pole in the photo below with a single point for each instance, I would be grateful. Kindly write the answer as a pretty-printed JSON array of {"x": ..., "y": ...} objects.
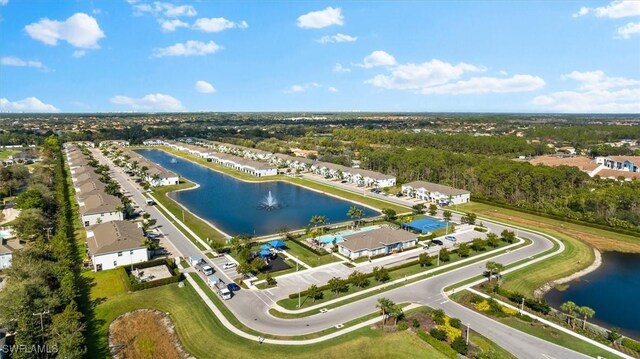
[
  {"x": 522, "y": 306},
  {"x": 41, "y": 314},
  {"x": 438, "y": 265},
  {"x": 468, "y": 325}
]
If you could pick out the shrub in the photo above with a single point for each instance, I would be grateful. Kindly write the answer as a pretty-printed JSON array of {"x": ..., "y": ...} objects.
[
  {"x": 402, "y": 326},
  {"x": 495, "y": 308},
  {"x": 509, "y": 311},
  {"x": 270, "y": 280},
  {"x": 482, "y": 306},
  {"x": 438, "y": 345},
  {"x": 438, "y": 334},
  {"x": 455, "y": 322},
  {"x": 415, "y": 323},
  {"x": 451, "y": 332},
  {"x": 460, "y": 346},
  {"x": 476, "y": 299},
  {"x": 438, "y": 316},
  {"x": 631, "y": 344}
]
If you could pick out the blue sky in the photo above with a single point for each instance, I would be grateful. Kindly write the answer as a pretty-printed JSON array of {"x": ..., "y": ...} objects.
[{"x": 442, "y": 56}]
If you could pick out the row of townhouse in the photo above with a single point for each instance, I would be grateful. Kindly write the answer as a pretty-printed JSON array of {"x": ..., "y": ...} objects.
[
  {"x": 436, "y": 193},
  {"x": 152, "y": 173},
  {"x": 620, "y": 163},
  {"x": 111, "y": 241}
]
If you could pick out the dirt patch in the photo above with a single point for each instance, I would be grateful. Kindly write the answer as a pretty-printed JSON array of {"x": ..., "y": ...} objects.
[
  {"x": 145, "y": 334},
  {"x": 599, "y": 242}
]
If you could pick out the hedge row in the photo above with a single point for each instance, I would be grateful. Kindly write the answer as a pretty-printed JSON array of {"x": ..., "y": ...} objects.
[
  {"x": 533, "y": 304},
  {"x": 631, "y": 344},
  {"x": 556, "y": 217},
  {"x": 442, "y": 347}
]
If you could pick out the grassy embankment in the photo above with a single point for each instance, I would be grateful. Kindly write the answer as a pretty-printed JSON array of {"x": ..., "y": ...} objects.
[
  {"x": 578, "y": 239},
  {"x": 203, "y": 335}
]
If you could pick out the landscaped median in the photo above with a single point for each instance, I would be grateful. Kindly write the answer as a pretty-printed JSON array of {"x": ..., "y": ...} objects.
[{"x": 398, "y": 276}]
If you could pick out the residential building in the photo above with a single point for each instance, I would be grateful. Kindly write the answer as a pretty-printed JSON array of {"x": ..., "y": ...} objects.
[
  {"x": 384, "y": 240},
  {"x": 116, "y": 243},
  {"x": 620, "y": 163},
  {"x": 436, "y": 193},
  {"x": 100, "y": 208},
  {"x": 7, "y": 247}
]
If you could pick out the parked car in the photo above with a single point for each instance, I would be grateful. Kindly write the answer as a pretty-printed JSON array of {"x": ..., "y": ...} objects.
[
  {"x": 437, "y": 242},
  {"x": 229, "y": 265},
  {"x": 233, "y": 287},
  {"x": 399, "y": 194},
  {"x": 451, "y": 238},
  {"x": 343, "y": 181}
]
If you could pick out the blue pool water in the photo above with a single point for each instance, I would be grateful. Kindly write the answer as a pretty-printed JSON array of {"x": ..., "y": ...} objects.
[
  {"x": 233, "y": 205},
  {"x": 339, "y": 237},
  {"x": 425, "y": 224}
]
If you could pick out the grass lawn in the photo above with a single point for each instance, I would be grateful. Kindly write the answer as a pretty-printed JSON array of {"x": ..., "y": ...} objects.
[
  {"x": 373, "y": 202},
  {"x": 106, "y": 284},
  {"x": 599, "y": 238},
  {"x": 197, "y": 225},
  {"x": 555, "y": 336},
  {"x": 4, "y": 154},
  {"x": 204, "y": 337},
  {"x": 487, "y": 345},
  {"x": 309, "y": 257}
]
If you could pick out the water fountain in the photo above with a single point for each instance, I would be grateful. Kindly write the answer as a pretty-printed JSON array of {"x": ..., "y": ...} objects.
[{"x": 270, "y": 203}]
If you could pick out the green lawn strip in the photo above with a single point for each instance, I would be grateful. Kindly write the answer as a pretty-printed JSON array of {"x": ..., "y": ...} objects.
[
  {"x": 186, "y": 234},
  {"x": 557, "y": 337},
  {"x": 108, "y": 284},
  {"x": 483, "y": 209},
  {"x": 487, "y": 345},
  {"x": 308, "y": 257},
  {"x": 292, "y": 304},
  {"x": 376, "y": 203},
  {"x": 79, "y": 231},
  {"x": 201, "y": 228},
  {"x": 203, "y": 335},
  {"x": 184, "y": 263}
]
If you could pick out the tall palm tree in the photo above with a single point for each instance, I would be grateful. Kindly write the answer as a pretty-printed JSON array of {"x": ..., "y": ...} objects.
[
  {"x": 586, "y": 312},
  {"x": 384, "y": 304},
  {"x": 355, "y": 213},
  {"x": 318, "y": 220},
  {"x": 493, "y": 268},
  {"x": 569, "y": 307}
]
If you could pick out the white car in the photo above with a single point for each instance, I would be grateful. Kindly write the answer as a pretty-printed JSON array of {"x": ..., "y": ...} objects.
[{"x": 229, "y": 265}]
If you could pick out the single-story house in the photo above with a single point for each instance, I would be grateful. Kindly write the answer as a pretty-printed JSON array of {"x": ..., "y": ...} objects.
[
  {"x": 116, "y": 243},
  {"x": 436, "y": 193},
  {"x": 7, "y": 247},
  {"x": 620, "y": 163},
  {"x": 383, "y": 240}
]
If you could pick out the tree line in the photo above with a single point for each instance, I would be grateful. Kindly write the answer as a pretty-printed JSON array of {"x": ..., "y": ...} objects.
[{"x": 40, "y": 301}]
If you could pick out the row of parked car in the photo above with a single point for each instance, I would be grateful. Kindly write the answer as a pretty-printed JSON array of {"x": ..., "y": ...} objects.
[
  {"x": 440, "y": 243},
  {"x": 225, "y": 291}
]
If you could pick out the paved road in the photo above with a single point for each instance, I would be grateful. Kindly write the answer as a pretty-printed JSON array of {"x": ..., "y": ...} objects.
[{"x": 251, "y": 307}]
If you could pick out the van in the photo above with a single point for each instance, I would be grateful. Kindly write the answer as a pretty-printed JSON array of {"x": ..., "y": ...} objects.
[{"x": 150, "y": 202}]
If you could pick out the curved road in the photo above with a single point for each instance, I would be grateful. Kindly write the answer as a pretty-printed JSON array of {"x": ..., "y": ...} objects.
[{"x": 251, "y": 307}]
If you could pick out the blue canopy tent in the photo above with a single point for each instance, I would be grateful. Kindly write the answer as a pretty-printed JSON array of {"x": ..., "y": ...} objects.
[
  {"x": 264, "y": 253},
  {"x": 265, "y": 247},
  {"x": 276, "y": 243}
]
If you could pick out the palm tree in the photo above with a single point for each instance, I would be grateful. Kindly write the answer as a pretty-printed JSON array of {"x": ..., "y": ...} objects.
[
  {"x": 385, "y": 306},
  {"x": 318, "y": 220},
  {"x": 494, "y": 268},
  {"x": 396, "y": 312},
  {"x": 586, "y": 312},
  {"x": 569, "y": 307},
  {"x": 355, "y": 213}
]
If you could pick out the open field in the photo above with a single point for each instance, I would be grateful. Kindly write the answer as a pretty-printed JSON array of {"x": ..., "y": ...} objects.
[
  {"x": 144, "y": 334},
  {"x": 203, "y": 336},
  {"x": 598, "y": 238},
  {"x": 373, "y": 202}
]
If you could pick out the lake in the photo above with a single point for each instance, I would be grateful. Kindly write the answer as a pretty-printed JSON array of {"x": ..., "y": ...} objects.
[
  {"x": 234, "y": 206},
  {"x": 613, "y": 291}
]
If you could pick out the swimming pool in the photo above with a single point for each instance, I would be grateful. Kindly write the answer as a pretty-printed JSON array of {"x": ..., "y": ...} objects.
[{"x": 339, "y": 237}]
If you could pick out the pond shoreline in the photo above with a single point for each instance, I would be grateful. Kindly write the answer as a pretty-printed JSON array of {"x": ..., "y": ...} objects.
[{"x": 597, "y": 262}]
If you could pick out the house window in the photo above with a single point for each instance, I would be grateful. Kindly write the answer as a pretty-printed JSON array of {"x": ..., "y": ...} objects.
[
  {"x": 115, "y": 263},
  {"x": 119, "y": 254}
]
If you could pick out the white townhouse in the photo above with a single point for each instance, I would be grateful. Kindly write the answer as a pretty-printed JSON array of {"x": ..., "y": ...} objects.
[
  {"x": 116, "y": 143},
  {"x": 436, "y": 193},
  {"x": 7, "y": 247},
  {"x": 116, "y": 243},
  {"x": 620, "y": 163},
  {"x": 85, "y": 189},
  {"x": 375, "y": 242},
  {"x": 100, "y": 208},
  {"x": 153, "y": 142},
  {"x": 157, "y": 176}
]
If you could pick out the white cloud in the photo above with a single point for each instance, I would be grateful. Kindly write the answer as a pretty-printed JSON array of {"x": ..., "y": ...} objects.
[
  {"x": 78, "y": 53},
  {"x": 625, "y": 32},
  {"x": 596, "y": 92},
  {"x": 16, "y": 61},
  {"x": 204, "y": 87},
  {"x": 217, "y": 24},
  {"x": 165, "y": 9},
  {"x": 616, "y": 9},
  {"x": 4, "y": 2},
  {"x": 155, "y": 101},
  {"x": 337, "y": 38},
  {"x": 189, "y": 48},
  {"x": 340, "y": 68},
  {"x": 478, "y": 85},
  {"x": 29, "y": 104},
  {"x": 171, "y": 25},
  {"x": 79, "y": 30},
  {"x": 378, "y": 58},
  {"x": 322, "y": 18},
  {"x": 420, "y": 76},
  {"x": 301, "y": 87},
  {"x": 332, "y": 89}
]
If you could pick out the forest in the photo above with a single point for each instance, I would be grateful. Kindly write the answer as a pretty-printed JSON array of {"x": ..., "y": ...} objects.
[{"x": 561, "y": 191}]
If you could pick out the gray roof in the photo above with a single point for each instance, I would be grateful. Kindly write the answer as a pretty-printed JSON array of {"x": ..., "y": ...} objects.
[
  {"x": 89, "y": 186},
  {"x": 376, "y": 238},
  {"x": 10, "y": 245},
  {"x": 100, "y": 203},
  {"x": 434, "y": 187},
  {"x": 115, "y": 236}
]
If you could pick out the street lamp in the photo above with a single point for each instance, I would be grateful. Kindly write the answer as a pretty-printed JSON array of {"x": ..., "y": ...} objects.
[{"x": 468, "y": 325}]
